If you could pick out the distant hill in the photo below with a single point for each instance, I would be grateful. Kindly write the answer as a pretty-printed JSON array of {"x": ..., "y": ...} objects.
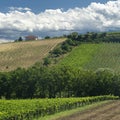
[{"x": 25, "y": 54}]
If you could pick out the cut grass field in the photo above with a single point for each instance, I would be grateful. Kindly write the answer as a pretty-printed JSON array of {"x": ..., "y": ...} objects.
[
  {"x": 94, "y": 56},
  {"x": 25, "y": 54}
]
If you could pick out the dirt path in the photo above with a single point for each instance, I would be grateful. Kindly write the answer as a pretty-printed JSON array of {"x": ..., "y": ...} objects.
[{"x": 109, "y": 111}]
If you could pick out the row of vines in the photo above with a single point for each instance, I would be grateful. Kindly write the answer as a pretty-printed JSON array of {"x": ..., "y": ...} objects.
[{"x": 33, "y": 108}]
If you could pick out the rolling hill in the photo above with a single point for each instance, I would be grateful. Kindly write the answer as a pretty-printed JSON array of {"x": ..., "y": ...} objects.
[
  {"x": 87, "y": 55},
  {"x": 25, "y": 54},
  {"x": 94, "y": 56}
]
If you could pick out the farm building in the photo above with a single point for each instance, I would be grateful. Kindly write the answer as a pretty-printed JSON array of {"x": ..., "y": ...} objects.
[{"x": 31, "y": 37}]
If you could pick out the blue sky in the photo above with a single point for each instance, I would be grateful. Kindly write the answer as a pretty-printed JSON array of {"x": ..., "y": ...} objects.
[
  {"x": 55, "y": 18},
  {"x": 41, "y": 5}
]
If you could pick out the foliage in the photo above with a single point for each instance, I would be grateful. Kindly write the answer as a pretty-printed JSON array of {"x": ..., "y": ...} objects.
[
  {"x": 34, "y": 108},
  {"x": 19, "y": 39},
  {"x": 56, "y": 52},
  {"x": 46, "y": 61},
  {"x": 44, "y": 82},
  {"x": 47, "y": 37}
]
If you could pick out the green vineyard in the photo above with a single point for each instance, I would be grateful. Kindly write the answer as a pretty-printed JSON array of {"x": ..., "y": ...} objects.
[
  {"x": 34, "y": 108},
  {"x": 94, "y": 56}
]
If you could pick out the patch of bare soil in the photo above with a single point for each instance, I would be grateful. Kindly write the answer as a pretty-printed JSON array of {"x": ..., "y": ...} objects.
[{"x": 109, "y": 111}]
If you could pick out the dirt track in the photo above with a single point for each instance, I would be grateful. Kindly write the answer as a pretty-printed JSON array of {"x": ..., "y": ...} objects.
[{"x": 109, "y": 111}]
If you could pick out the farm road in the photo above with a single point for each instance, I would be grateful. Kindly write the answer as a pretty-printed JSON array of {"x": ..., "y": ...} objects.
[{"x": 109, "y": 111}]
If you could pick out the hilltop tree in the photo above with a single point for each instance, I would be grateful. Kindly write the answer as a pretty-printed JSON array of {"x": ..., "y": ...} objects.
[
  {"x": 47, "y": 37},
  {"x": 20, "y": 39},
  {"x": 73, "y": 35}
]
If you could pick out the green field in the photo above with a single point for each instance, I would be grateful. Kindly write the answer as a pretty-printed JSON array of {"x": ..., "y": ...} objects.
[
  {"x": 94, "y": 56},
  {"x": 25, "y": 54},
  {"x": 107, "y": 56},
  {"x": 80, "y": 55}
]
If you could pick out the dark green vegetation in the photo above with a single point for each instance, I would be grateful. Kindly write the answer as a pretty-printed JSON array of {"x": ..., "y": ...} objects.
[
  {"x": 45, "y": 82},
  {"x": 30, "y": 109}
]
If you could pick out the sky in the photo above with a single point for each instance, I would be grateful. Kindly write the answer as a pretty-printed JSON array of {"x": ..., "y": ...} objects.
[{"x": 53, "y": 18}]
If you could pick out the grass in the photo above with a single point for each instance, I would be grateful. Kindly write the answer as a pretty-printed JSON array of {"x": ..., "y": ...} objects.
[
  {"x": 25, "y": 54},
  {"x": 80, "y": 55},
  {"x": 70, "y": 112},
  {"x": 107, "y": 56},
  {"x": 94, "y": 56}
]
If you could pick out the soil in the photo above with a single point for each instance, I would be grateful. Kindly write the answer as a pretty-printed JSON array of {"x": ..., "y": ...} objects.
[{"x": 109, "y": 111}]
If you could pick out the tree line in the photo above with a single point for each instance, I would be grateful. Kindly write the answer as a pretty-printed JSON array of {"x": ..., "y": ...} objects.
[
  {"x": 74, "y": 39},
  {"x": 50, "y": 82},
  {"x": 94, "y": 37}
]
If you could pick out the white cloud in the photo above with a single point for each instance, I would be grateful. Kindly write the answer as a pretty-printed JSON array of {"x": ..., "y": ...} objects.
[
  {"x": 19, "y": 9},
  {"x": 95, "y": 17}
]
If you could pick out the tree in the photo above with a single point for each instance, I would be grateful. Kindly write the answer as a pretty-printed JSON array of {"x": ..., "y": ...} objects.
[
  {"x": 57, "y": 52},
  {"x": 47, "y": 37},
  {"x": 20, "y": 39},
  {"x": 47, "y": 61},
  {"x": 73, "y": 35},
  {"x": 93, "y": 36}
]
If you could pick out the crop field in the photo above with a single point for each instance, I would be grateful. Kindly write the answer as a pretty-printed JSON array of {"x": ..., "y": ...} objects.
[
  {"x": 35, "y": 108},
  {"x": 107, "y": 56},
  {"x": 79, "y": 55},
  {"x": 94, "y": 56},
  {"x": 25, "y": 54}
]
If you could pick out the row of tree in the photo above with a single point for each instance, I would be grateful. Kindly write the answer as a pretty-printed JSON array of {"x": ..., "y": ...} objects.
[
  {"x": 50, "y": 82},
  {"x": 94, "y": 37}
]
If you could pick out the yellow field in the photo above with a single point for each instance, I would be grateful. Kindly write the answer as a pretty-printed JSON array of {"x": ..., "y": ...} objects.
[{"x": 25, "y": 54}]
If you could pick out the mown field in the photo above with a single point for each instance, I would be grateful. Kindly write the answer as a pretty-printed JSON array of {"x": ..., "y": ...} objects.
[
  {"x": 94, "y": 56},
  {"x": 25, "y": 54}
]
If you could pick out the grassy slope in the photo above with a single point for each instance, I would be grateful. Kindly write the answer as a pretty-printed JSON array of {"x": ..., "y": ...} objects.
[
  {"x": 80, "y": 55},
  {"x": 94, "y": 56},
  {"x": 24, "y": 54},
  {"x": 108, "y": 56}
]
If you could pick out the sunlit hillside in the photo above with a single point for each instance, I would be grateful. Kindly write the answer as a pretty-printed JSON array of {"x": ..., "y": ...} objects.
[{"x": 24, "y": 54}]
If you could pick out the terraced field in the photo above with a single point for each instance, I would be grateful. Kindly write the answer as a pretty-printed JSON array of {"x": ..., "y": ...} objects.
[{"x": 24, "y": 54}]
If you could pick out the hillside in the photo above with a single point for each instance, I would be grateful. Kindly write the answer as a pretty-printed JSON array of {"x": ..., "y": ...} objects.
[
  {"x": 24, "y": 54},
  {"x": 94, "y": 56}
]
